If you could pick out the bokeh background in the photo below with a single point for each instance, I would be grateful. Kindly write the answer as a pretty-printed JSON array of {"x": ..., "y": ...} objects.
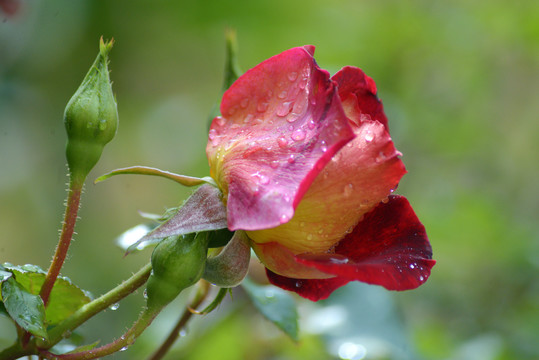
[{"x": 460, "y": 85}]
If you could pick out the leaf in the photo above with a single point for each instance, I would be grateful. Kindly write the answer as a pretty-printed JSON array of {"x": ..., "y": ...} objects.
[
  {"x": 276, "y": 305},
  {"x": 203, "y": 211},
  {"x": 65, "y": 298},
  {"x": 84, "y": 347},
  {"x": 25, "y": 308}
]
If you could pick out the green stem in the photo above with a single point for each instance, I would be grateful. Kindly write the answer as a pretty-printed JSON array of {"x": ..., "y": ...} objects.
[
  {"x": 127, "y": 339},
  {"x": 68, "y": 227},
  {"x": 202, "y": 293},
  {"x": 98, "y": 305}
]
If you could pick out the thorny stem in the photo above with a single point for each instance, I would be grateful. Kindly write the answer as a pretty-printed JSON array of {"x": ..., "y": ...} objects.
[
  {"x": 68, "y": 227},
  {"x": 200, "y": 296},
  {"x": 80, "y": 316},
  {"x": 127, "y": 339},
  {"x": 101, "y": 303}
]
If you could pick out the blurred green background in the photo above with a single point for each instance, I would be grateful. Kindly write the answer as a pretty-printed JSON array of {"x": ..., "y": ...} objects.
[{"x": 460, "y": 85}]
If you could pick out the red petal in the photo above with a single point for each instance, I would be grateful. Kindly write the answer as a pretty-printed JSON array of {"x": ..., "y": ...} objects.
[
  {"x": 358, "y": 95},
  {"x": 312, "y": 289},
  {"x": 389, "y": 247},
  {"x": 282, "y": 122}
]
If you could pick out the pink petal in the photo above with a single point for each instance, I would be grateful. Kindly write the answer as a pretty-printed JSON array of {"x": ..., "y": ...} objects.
[
  {"x": 358, "y": 95},
  {"x": 388, "y": 248},
  {"x": 360, "y": 175},
  {"x": 282, "y": 122}
]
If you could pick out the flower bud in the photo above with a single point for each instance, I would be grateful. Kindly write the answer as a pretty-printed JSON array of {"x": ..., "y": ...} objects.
[
  {"x": 90, "y": 118},
  {"x": 178, "y": 262}
]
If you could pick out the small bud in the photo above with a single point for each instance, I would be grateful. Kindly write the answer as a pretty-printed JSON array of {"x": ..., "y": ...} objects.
[
  {"x": 90, "y": 118},
  {"x": 177, "y": 263}
]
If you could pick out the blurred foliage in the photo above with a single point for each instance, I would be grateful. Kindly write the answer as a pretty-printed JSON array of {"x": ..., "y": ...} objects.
[{"x": 459, "y": 80}]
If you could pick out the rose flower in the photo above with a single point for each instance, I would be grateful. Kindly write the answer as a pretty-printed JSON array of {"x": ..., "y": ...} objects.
[{"x": 307, "y": 169}]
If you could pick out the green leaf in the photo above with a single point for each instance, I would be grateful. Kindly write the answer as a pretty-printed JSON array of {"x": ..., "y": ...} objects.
[
  {"x": 276, "y": 305},
  {"x": 25, "y": 308},
  {"x": 65, "y": 298}
]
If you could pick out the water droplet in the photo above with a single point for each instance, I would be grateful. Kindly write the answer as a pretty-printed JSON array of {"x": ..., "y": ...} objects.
[
  {"x": 244, "y": 103},
  {"x": 269, "y": 293},
  {"x": 262, "y": 106},
  {"x": 292, "y": 76},
  {"x": 102, "y": 124},
  {"x": 274, "y": 164},
  {"x": 303, "y": 84},
  {"x": 298, "y": 135},
  {"x": 114, "y": 306},
  {"x": 284, "y": 109},
  {"x": 313, "y": 101},
  {"x": 124, "y": 348},
  {"x": 299, "y": 283},
  {"x": 269, "y": 94},
  {"x": 323, "y": 146},
  {"x": 212, "y": 134},
  {"x": 145, "y": 294},
  {"x": 380, "y": 158},
  {"x": 248, "y": 118},
  {"x": 421, "y": 278},
  {"x": 412, "y": 266},
  {"x": 369, "y": 136},
  {"x": 232, "y": 110},
  {"x": 183, "y": 333},
  {"x": 221, "y": 121},
  {"x": 348, "y": 189},
  {"x": 284, "y": 218},
  {"x": 292, "y": 117},
  {"x": 291, "y": 159},
  {"x": 282, "y": 94},
  {"x": 286, "y": 198},
  {"x": 283, "y": 143}
]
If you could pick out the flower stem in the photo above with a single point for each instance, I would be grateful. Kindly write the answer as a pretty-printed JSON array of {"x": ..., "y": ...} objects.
[
  {"x": 200, "y": 296},
  {"x": 68, "y": 227},
  {"x": 96, "y": 306},
  {"x": 127, "y": 339}
]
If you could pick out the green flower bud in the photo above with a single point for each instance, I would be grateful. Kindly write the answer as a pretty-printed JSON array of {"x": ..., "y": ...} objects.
[
  {"x": 178, "y": 262},
  {"x": 90, "y": 118}
]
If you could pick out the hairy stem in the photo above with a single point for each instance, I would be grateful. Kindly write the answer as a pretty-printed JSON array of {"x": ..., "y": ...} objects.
[
  {"x": 200, "y": 296},
  {"x": 127, "y": 339},
  {"x": 101, "y": 303},
  {"x": 68, "y": 227}
]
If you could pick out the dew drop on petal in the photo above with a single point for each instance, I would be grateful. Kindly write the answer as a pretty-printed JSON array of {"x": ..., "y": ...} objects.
[
  {"x": 284, "y": 218},
  {"x": 323, "y": 146},
  {"x": 244, "y": 103},
  {"x": 292, "y": 76},
  {"x": 212, "y": 134},
  {"x": 369, "y": 136},
  {"x": 282, "y": 142},
  {"x": 291, "y": 159},
  {"x": 421, "y": 278},
  {"x": 284, "y": 109},
  {"x": 380, "y": 158},
  {"x": 298, "y": 135},
  {"x": 412, "y": 266},
  {"x": 221, "y": 121},
  {"x": 282, "y": 94},
  {"x": 274, "y": 164},
  {"x": 299, "y": 283},
  {"x": 262, "y": 106}
]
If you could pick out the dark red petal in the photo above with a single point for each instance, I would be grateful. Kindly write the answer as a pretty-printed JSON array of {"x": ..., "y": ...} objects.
[
  {"x": 312, "y": 289},
  {"x": 358, "y": 95},
  {"x": 389, "y": 247},
  {"x": 282, "y": 122}
]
